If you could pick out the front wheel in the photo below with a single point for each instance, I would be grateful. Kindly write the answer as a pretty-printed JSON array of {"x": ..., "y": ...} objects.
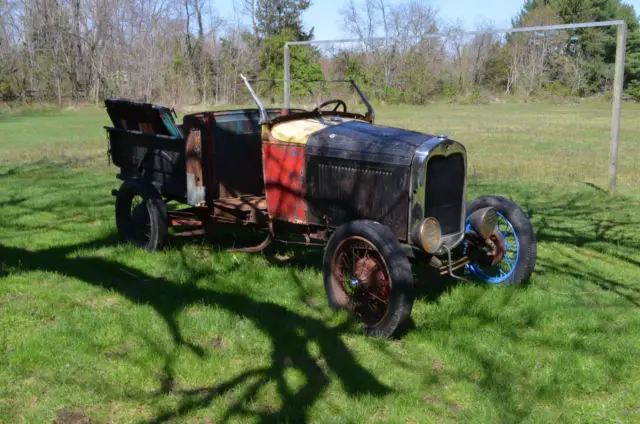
[
  {"x": 513, "y": 241},
  {"x": 367, "y": 273}
]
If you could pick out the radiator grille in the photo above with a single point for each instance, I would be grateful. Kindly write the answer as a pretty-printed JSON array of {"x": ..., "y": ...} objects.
[{"x": 444, "y": 191}]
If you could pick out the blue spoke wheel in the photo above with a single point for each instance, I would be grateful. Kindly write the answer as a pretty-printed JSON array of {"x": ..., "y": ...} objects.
[{"x": 512, "y": 245}]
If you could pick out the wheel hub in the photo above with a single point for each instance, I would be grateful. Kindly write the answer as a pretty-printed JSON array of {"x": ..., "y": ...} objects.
[
  {"x": 497, "y": 249},
  {"x": 371, "y": 280},
  {"x": 361, "y": 281},
  {"x": 366, "y": 271}
]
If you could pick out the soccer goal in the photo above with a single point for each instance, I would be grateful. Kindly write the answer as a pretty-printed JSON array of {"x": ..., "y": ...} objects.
[{"x": 539, "y": 58}]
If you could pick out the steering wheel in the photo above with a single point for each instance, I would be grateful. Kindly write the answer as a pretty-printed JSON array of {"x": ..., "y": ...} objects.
[{"x": 338, "y": 103}]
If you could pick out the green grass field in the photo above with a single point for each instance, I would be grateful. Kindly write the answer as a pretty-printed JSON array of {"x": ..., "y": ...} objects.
[{"x": 91, "y": 329}]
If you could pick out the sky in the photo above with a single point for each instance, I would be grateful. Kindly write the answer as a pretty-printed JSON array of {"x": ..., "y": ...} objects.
[{"x": 325, "y": 15}]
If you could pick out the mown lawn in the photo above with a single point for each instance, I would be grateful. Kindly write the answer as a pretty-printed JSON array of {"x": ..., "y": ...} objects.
[{"x": 91, "y": 328}]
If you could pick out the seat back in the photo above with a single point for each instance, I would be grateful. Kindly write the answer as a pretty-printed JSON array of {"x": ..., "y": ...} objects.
[{"x": 146, "y": 117}]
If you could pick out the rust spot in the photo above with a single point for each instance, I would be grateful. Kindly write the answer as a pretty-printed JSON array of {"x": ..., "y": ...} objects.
[
  {"x": 146, "y": 127},
  {"x": 194, "y": 155}
]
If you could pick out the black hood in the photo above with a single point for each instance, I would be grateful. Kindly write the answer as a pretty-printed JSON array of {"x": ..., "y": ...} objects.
[{"x": 364, "y": 142}]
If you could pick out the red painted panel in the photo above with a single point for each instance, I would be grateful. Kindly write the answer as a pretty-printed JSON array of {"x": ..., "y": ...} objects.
[{"x": 284, "y": 172}]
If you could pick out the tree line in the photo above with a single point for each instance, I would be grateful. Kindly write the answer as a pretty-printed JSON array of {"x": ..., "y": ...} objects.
[
  {"x": 181, "y": 52},
  {"x": 414, "y": 68}
]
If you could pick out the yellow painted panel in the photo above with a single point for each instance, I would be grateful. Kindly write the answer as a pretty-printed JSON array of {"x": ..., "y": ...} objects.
[{"x": 300, "y": 130}]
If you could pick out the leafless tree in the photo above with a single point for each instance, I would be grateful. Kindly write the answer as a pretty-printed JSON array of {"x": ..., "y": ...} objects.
[
  {"x": 182, "y": 52},
  {"x": 531, "y": 51}
]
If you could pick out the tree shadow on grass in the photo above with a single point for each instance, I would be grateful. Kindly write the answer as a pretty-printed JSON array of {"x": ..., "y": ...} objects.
[
  {"x": 558, "y": 218},
  {"x": 593, "y": 228},
  {"x": 581, "y": 232},
  {"x": 290, "y": 333},
  {"x": 10, "y": 172},
  {"x": 590, "y": 223},
  {"x": 576, "y": 217},
  {"x": 428, "y": 284}
]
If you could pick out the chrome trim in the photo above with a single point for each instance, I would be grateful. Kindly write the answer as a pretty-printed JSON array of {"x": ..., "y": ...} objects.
[{"x": 436, "y": 146}]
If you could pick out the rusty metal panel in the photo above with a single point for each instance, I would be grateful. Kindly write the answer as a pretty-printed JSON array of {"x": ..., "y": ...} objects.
[
  {"x": 205, "y": 123},
  {"x": 195, "y": 183},
  {"x": 146, "y": 127}
]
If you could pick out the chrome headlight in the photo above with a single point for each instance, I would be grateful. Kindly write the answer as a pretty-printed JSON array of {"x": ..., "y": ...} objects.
[
  {"x": 428, "y": 235},
  {"x": 484, "y": 221}
]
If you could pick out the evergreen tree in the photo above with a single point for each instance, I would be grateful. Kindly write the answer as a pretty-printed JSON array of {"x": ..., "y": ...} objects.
[
  {"x": 632, "y": 68},
  {"x": 274, "y": 16},
  {"x": 596, "y": 45},
  {"x": 279, "y": 21}
]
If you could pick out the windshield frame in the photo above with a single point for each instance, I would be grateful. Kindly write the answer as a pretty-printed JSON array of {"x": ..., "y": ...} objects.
[{"x": 264, "y": 118}]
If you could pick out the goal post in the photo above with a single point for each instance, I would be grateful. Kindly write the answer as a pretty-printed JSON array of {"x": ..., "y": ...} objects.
[{"x": 618, "y": 79}]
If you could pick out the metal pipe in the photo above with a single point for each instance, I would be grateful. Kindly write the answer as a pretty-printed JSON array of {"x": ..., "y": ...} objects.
[
  {"x": 442, "y": 35},
  {"x": 618, "y": 83},
  {"x": 263, "y": 113},
  {"x": 371, "y": 113},
  {"x": 287, "y": 77}
]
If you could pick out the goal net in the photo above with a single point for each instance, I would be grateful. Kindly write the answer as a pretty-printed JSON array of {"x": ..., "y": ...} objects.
[{"x": 536, "y": 103}]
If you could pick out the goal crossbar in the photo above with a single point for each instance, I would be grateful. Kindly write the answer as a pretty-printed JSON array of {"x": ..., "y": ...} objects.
[{"x": 617, "y": 81}]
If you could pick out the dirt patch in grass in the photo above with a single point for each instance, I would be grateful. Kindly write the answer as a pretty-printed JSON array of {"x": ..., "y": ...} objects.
[
  {"x": 216, "y": 343},
  {"x": 73, "y": 416},
  {"x": 120, "y": 353},
  {"x": 435, "y": 400}
]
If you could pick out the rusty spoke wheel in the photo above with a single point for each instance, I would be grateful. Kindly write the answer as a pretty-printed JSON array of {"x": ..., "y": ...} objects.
[
  {"x": 367, "y": 273},
  {"x": 362, "y": 275}
]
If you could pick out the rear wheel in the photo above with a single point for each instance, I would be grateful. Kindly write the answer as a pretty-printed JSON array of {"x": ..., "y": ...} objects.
[
  {"x": 367, "y": 273},
  {"x": 141, "y": 215}
]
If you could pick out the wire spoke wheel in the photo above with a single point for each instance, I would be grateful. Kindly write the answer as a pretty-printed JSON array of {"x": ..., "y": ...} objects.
[
  {"x": 508, "y": 249},
  {"x": 511, "y": 250},
  {"x": 366, "y": 271},
  {"x": 361, "y": 275}
]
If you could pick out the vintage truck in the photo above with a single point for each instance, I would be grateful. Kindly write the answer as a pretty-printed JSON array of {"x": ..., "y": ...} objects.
[{"x": 377, "y": 198}]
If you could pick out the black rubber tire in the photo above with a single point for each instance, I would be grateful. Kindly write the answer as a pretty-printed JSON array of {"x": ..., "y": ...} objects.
[
  {"x": 401, "y": 295},
  {"x": 157, "y": 213},
  {"x": 522, "y": 225}
]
